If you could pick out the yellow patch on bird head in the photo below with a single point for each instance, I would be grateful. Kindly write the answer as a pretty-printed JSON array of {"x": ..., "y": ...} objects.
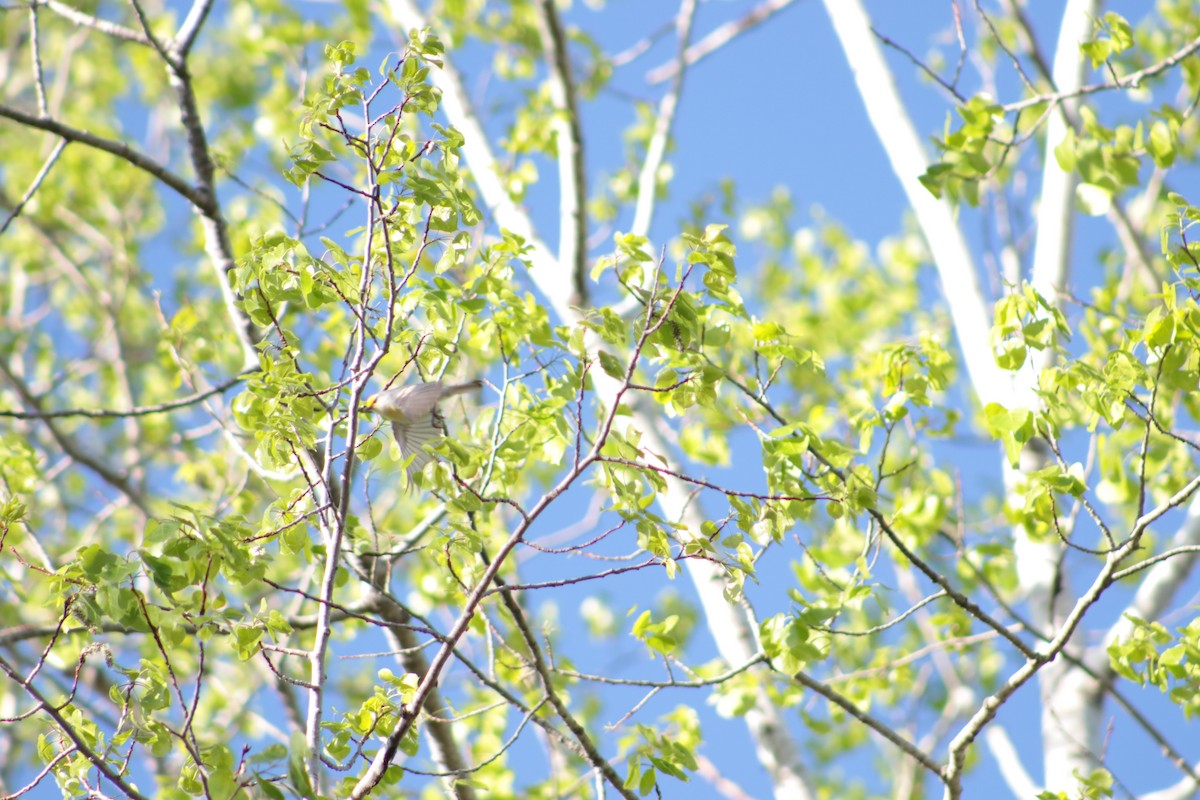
[{"x": 369, "y": 404}]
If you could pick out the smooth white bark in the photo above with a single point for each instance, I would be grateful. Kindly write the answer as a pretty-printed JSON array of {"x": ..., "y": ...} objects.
[
  {"x": 1071, "y": 701},
  {"x": 1009, "y": 761},
  {"x": 970, "y": 312},
  {"x": 1070, "y": 704}
]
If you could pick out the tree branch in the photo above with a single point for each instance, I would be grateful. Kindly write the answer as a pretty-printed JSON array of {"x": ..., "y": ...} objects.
[
  {"x": 113, "y": 478},
  {"x": 445, "y": 749},
  {"x": 1131, "y": 81},
  {"x": 78, "y": 17},
  {"x": 717, "y": 39},
  {"x": 598, "y": 761},
  {"x": 138, "y": 411},
  {"x": 866, "y": 719},
  {"x": 47, "y": 165},
  {"x": 118, "y": 149},
  {"x": 97, "y": 760},
  {"x": 572, "y": 172},
  {"x": 656, "y": 148}
]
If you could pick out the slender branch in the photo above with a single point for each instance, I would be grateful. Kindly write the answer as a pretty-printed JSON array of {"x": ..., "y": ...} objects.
[
  {"x": 88, "y": 21},
  {"x": 1016, "y": 62},
  {"x": 883, "y": 730},
  {"x": 594, "y": 757},
  {"x": 1131, "y": 81},
  {"x": 698, "y": 683},
  {"x": 956, "y": 642},
  {"x": 118, "y": 149},
  {"x": 114, "y": 479},
  {"x": 138, "y": 411},
  {"x": 446, "y": 752},
  {"x": 921, "y": 65},
  {"x": 1181, "y": 571},
  {"x": 38, "y": 179},
  {"x": 718, "y": 39},
  {"x": 891, "y": 622}
]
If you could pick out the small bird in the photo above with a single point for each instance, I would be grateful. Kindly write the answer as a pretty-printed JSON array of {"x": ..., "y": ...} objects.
[{"x": 413, "y": 412}]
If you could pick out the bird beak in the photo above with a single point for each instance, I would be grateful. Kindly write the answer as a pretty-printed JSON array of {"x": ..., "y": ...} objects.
[{"x": 368, "y": 407}]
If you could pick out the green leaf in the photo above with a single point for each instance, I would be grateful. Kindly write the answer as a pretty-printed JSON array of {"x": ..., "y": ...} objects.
[
  {"x": 1064, "y": 152},
  {"x": 297, "y": 772},
  {"x": 1014, "y": 428},
  {"x": 1161, "y": 144},
  {"x": 612, "y": 368}
]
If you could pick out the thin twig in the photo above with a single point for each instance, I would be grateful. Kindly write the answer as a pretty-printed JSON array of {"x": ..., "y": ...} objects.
[
  {"x": 36, "y": 184},
  {"x": 718, "y": 39},
  {"x": 138, "y": 411},
  {"x": 1131, "y": 81},
  {"x": 118, "y": 149}
]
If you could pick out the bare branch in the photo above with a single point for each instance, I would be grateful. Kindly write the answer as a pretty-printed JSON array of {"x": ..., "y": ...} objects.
[
  {"x": 118, "y": 149},
  {"x": 1131, "y": 81},
  {"x": 88, "y": 21},
  {"x": 139, "y": 411},
  {"x": 950, "y": 88},
  {"x": 47, "y": 165},
  {"x": 883, "y": 730},
  {"x": 717, "y": 39}
]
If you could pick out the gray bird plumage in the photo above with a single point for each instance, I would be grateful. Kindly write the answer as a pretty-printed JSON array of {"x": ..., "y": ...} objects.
[{"x": 413, "y": 412}]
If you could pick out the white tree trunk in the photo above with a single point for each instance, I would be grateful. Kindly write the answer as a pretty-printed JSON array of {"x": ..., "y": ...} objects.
[{"x": 1071, "y": 702}]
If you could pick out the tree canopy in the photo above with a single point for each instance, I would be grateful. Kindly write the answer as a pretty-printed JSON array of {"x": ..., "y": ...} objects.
[{"x": 747, "y": 504}]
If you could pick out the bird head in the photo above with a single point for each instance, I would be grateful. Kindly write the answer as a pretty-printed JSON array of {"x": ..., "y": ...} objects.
[{"x": 368, "y": 405}]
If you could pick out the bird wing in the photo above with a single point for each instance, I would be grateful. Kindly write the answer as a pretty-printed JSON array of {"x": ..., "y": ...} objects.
[
  {"x": 419, "y": 400},
  {"x": 412, "y": 436}
]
